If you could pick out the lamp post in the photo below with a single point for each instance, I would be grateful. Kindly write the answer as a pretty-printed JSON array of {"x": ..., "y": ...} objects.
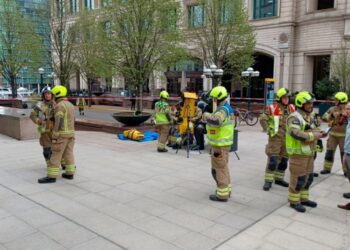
[
  {"x": 213, "y": 72},
  {"x": 52, "y": 76},
  {"x": 41, "y": 72},
  {"x": 250, "y": 73}
]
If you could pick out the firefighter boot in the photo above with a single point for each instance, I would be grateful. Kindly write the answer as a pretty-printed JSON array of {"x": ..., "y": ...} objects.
[
  {"x": 346, "y": 195},
  {"x": 325, "y": 171},
  {"x": 282, "y": 183},
  {"x": 45, "y": 180},
  {"x": 213, "y": 197},
  {"x": 67, "y": 176},
  {"x": 309, "y": 203},
  {"x": 267, "y": 186},
  {"x": 298, "y": 207},
  {"x": 162, "y": 150}
]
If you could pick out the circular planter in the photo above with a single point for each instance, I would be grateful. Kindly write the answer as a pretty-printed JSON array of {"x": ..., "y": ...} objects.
[{"x": 130, "y": 119}]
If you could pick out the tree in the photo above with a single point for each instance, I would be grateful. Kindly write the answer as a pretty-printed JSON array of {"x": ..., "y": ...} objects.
[
  {"x": 223, "y": 32},
  {"x": 62, "y": 42},
  {"x": 144, "y": 38},
  {"x": 340, "y": 68},
  {"x": 90, "y": 38},
  {"x": 20, "y": 46}
]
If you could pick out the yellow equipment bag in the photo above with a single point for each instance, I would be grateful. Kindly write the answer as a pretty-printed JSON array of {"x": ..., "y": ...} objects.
[
  {"x": 133, "y": 134},
  {"x": 188, "y": 110}
]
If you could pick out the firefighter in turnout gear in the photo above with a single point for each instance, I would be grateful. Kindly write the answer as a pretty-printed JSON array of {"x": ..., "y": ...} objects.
[
  {"x": 301, "y": 137},
  {"x": 337, "y": 121},
  {"x": 62, "y": 137},
  {"x": 273, "y": 120},
  {"x": 81, "y": 104},
  {"x": 43, "y": 116},
  {"x": 220, "y": 126},
  {"x": 162, "y": 120}
]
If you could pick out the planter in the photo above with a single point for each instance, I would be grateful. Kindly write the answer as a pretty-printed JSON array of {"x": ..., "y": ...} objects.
[{"x": 130, "y": 119}]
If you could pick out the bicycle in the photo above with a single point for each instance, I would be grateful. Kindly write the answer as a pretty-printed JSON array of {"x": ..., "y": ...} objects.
[{"x": 249, "y": 117}]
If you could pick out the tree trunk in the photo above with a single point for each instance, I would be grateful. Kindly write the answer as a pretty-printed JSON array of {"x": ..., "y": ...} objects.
[
  {"x": 89, "y": 82},
  {"x": 13, "y": 86}
]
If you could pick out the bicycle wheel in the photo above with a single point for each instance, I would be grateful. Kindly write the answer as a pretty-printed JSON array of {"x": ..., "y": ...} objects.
[{"x": 251, "y": 118}]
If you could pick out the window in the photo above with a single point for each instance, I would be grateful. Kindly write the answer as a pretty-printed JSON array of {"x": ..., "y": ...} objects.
[
  {"x": 106, "y": 3},
  {"x": 265, "y": 8},
  {"x": 196, "y": 16},
  {"x": 325, "y": 4},
  {"x": 74, "y": 6},
  {"x": 89, "y": 4},
  {"x": 225, "y": 11},
  {"x": 60, "y": 8}
]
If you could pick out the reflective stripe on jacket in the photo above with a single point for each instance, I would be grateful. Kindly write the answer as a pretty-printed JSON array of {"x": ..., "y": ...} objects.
[
  {"x": 221, "y": 136},
  {"x": 294, "y": 146}
]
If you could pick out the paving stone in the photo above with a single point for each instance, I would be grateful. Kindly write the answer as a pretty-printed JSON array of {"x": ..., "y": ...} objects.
[
  {"x": 39, "y": 217},
  {"x": 260, "y": 229},
  {"x": 202, "y": 210},
  {"x": 244, "y": 241},
  {"x": 161, "y": 228},
  {"x": 188, "y": 220},
  {"x": 4, "y": 213},
  {"x": 13, "y": 228},
  {"x": 195, "y": 241},
  {"x": 67, "y": 233},
  {"x": 123, "y": 213},
  {"x": 94, "y": 201},
  {"x": 93, "y": 186},
  {"x": 15, "y": 204},
  {"x": 119, "y": 195},
  {"x": 270, "y": 246},
  {"x": 322, "y": 222},
  {"x": 150, "y": 206},
  {"x": 97, "y": 243},
  {"x": 324, "y": 237},
  {"x": 276, "y": 221},
  {"x": 137, "y": 239},
  {"x": 292, "y": 241},
  {"x": 234, "y": 221},
  {"x": 219, "y": 232},
  {"x": 37, "y": 241}
]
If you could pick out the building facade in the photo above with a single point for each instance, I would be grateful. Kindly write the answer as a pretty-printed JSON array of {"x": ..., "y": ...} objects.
[
  {"x": 39, "y": 13},
  {"x": 296, "y": 42}
]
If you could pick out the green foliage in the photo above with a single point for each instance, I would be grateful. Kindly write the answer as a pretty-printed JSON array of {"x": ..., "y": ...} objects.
[
  {"x": 326, "y": 88},
  {"x": 340, "y": 68},
  {"x": 20, "y": 46},
  {"x": 227, "y": 35},
  {"x": 143, "y": 37}
]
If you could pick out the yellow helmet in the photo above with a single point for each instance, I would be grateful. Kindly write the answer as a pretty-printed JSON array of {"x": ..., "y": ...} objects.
[
  {"x": 281, "y": 92},
  {"x": 164, "y": 94},
  {"x": 302, "y": 98},
  {"x": 59, "y": 91},
  {"x": 342, "y": 97},
  {"x": 219, "y": 92}
]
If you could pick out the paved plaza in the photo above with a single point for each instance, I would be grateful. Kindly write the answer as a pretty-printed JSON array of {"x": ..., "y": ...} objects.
[{"x": 125, "y": 195}]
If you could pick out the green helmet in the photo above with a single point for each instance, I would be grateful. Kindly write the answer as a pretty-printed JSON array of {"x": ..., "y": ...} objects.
[
  {"x": 280, "y": 93},
  {"x": 341, "y": 97},
  {"x": 164, "y": 94},
  {"x": 302, "y": 98},
  {"x": 219, "y": 92}
]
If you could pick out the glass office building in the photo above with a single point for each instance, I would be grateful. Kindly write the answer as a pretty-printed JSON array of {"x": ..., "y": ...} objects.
[{"x": 39, "y": 12}]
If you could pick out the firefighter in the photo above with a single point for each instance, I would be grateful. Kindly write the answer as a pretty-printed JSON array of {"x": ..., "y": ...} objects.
[
  {"x": 81, "y": 104},
  {"x": 43, "y": 116},
  {"x": 273, "y": 120},
  {"x": 62, "y": 137},
  {"x": 301, "y": 137},
  {"x": 336, "y": 120},
  {"x": 162, "y": 120},
  {"x": 220, "y": 125}
]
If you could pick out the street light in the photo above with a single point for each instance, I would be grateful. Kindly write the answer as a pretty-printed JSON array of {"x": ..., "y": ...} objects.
[
  {"x": 41, "y": 72},
  {"x": 250, "y": 73},
  {"x": 52, "y": 76},
  {"x": 213, "y": 73}
]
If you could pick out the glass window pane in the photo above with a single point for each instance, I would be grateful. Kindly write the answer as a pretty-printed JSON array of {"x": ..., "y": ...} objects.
[{"x": 265, "y": 8}]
